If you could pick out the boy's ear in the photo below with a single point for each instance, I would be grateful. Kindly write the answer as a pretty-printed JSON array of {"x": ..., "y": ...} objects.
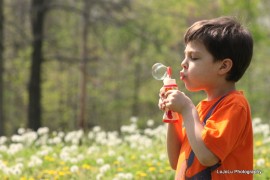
[{"x": 225, "y": 66}]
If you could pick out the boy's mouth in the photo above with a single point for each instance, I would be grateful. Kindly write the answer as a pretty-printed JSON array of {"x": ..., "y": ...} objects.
[{"x": 182, "y": 75}]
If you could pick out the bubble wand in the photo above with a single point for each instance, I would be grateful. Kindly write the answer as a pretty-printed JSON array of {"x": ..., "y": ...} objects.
[{"x": 161, "y": 72}]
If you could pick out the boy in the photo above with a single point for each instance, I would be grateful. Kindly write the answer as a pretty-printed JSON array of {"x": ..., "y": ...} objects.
[{"x": 219, "y": 146}]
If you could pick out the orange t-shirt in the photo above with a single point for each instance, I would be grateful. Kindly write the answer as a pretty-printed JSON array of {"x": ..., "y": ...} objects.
[{"x": 228, "y": 134}]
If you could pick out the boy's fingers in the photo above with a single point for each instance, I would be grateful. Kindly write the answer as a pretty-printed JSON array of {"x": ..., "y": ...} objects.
[
  {"x": 166, "y": 94},
  {"x": 162, "y": 105}
]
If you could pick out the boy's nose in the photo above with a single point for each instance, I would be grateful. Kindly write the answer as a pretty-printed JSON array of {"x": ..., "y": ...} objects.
[{"x": 184, "y": 64}]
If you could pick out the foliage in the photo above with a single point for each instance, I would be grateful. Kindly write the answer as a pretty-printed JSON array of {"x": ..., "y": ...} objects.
[
  {"x": 131, "y": 154},
  {"x": 123, "y": 45}
]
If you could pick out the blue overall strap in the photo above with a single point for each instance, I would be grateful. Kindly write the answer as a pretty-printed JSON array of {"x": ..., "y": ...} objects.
[{"x": 206, "y": 173}]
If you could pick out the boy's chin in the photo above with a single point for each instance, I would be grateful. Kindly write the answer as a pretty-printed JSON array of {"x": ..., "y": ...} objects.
[{"x": 192, "y": 89}]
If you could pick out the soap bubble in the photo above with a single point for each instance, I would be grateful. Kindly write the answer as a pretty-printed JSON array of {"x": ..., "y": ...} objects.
[{"x": 159, "y": 71}]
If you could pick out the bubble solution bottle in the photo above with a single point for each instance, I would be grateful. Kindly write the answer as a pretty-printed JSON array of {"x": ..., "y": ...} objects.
[{"x": 161, "y": 72}]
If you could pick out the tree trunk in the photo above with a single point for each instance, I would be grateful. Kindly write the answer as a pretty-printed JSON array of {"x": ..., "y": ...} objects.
[
  {"x": 37, "y": 22},
  {"x": 2, "y": 122},
  {"x": 137, "y": 84},
  {"x": 83, "y": 73}
]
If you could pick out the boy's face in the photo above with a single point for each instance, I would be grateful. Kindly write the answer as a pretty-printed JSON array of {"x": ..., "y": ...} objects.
[{"x": 199, "y": 72}]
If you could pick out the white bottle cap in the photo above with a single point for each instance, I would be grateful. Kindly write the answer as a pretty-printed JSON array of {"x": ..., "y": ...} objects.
[{"x": 169, "y": 81}]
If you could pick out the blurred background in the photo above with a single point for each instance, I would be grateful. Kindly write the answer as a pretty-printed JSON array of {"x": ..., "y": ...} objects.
[{"x": 69, "y": 64}]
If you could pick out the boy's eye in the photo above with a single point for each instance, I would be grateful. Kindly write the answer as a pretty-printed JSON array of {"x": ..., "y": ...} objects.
[{"x": 194, "y": 58}]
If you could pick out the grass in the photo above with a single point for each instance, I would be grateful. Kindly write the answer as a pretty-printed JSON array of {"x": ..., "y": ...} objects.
[{"x": 77, "y": 155}]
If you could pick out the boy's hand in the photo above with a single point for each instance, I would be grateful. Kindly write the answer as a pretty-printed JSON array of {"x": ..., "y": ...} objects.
[
  {"x": 174, "y": 100},
  {"x": 161, "y": 102}
]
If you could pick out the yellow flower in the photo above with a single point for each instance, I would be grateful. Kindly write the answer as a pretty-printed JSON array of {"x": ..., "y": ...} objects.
[
  {"x": 133, "y": 157},
  {"x": 62, "y": 173},
  {"x": 264, "y": 151},
  {"x": 141, "y": 174},
  {"x": 258, "y": 143},
  {"x": 161, "y": 171},
  {"x": 48, "y": 158},
  {"x": 151, "y": 169},
  {"x": 65, "y": 168},
  {"x": 50, "y": 172},
  {"x": 86, "y": 166},
  {"x": 120, "y": 169}
]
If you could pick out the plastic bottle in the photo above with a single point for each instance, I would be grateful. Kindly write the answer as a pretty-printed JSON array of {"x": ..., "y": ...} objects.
[{"x": 170, "y": 116}]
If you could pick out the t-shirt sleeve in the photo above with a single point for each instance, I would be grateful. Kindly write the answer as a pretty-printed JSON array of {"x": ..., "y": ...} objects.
[{"x": 224, "y": 129}]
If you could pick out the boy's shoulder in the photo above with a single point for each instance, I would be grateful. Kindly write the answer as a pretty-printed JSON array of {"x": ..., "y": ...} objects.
[
  {"x": 236, "y": 97},
  {"x": 235, "y": 101}
]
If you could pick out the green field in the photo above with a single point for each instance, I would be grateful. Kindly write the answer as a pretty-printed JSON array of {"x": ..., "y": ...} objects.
[{"x": 131, "y": 154}]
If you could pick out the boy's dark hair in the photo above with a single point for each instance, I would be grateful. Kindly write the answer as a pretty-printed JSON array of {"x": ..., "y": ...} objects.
[{"x": 224, "y": 37}]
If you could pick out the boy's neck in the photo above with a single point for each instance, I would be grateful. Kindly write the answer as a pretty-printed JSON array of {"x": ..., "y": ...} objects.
[{"x": 220, "y": 91}]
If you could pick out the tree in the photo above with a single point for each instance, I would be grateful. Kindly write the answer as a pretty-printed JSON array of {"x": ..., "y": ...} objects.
[
  {"x": 1, "y": 68},
  {"x": 83, "y": 62},
  {"x": 37, "y": 21}
]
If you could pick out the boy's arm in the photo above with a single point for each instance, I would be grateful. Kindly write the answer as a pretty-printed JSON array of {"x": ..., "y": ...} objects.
[
  {"x": 173, "y": 144},
  {"x": 194, "y": 130}
]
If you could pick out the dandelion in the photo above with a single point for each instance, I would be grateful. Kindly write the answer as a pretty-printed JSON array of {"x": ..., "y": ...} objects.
[
  {"x": 74, "y": 169},
  {"x": 101, "y": 138},
  {"x": 134, "y": 120},
  {"x": 258, "y": 143},
  {"x": 49, "y": 158},
  {"x": 100, "y": 161},
  {"x": 113, "y": 139},
  {"x": 45, "y": 151},
  {"x": 86, "y": 166},
  {"x": 151, "y": 169},
  {"x": 21, "y": 131},
  {"x": 103, "y": 169},
  {"x": 29, "y": 137},
  {"x": 55, "y": 140},
  {"x": 91, "y": 135},
  {"x": 120, "y": 159},
  {"x": 3, "y": 140},
  {"x": 74, "y": 137},
  {"x": 266, "y": 140},
  {"x": 260, "y": 162},
  {"x": 256, "y": 121},
  {"x": 61, "y": 134},
  {"x": 99, "y": 176},
  {"x": 141, "y": 174},
  {"x": 149, "y": 132},
  {"x": 133, "y": 157},
  {"x": 129, "y": 129},
  {"x": 120, "y": 169},
  {"x": 92, "y": 149},
  {"x": 162, "y": 157},
  {"x": 34, "y": 161},
  {"x": 14, "y": 148},
  {"x": 3, "y": 148},
  {"x": 111, "y": 153},
  {"x": 121, "y": 176},
  {"x": 43, "y": 130},
  {"x": 16, "y": 138},
  {"x": 150, "y": 123},
  {"x": 96, "y": 129}
]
